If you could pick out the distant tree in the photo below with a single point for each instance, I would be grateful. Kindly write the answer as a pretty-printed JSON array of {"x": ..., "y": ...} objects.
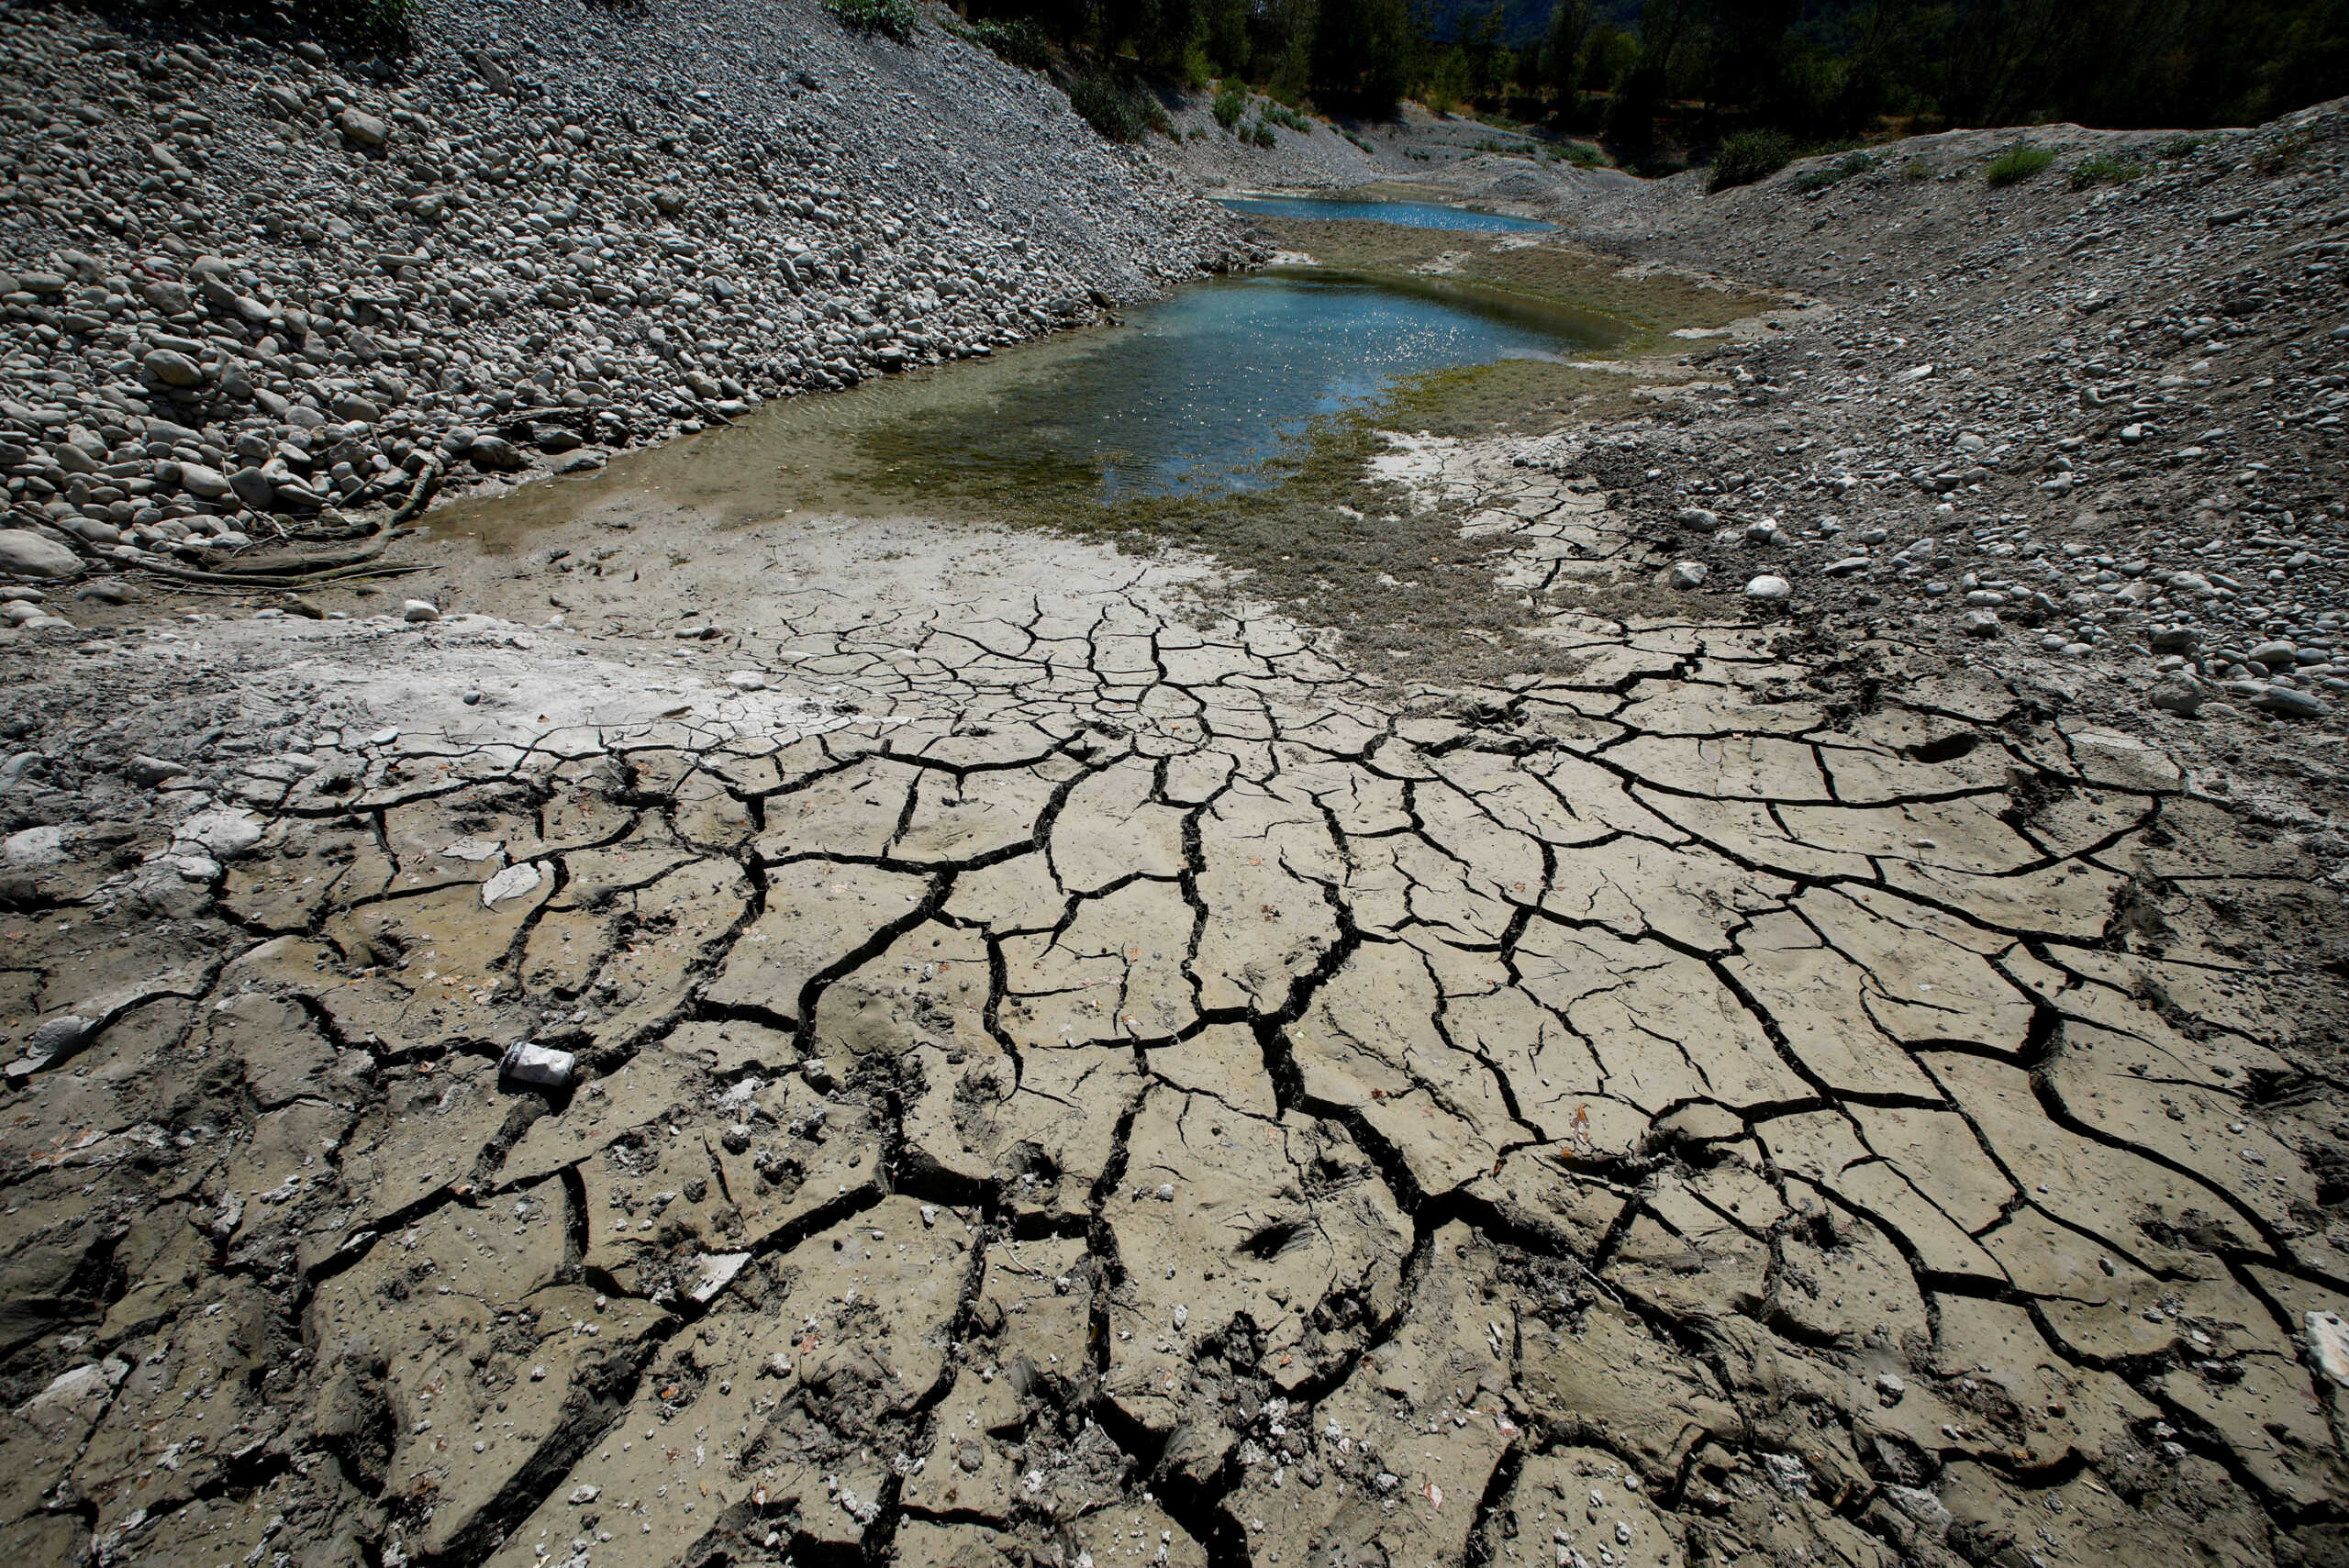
[
  {"x": 1366, "y": 54},
  {"x": 1665, "y": 24},
  {"x": 1228, "y": 37},
  {"x": 1560, "y": 54}
]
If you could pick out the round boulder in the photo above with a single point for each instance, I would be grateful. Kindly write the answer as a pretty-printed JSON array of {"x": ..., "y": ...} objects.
[
  {"x": 24, "y": 553},
  {"x": 172, "y": 368}
]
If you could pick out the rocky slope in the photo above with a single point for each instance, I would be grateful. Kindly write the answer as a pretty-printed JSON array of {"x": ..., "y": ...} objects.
[
  {"x": 246, "y": 285},
  {"x": 2093, "y": 427}
]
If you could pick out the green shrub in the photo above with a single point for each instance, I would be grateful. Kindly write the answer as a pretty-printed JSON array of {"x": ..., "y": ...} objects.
[
  {"x": 1022, "y": 42},
  {"x": 1835, "y": 173},
  {"x": 381, "y": 26},
  {"x": 1108, "y": 108},
  {"x": 1748, "y": 156},
  {"x": 1264, "y": 136},
  {"x": 2104, "y": 169},
  {"x": 2016, "y": 164},
  {"x": 1281, "y": 113},
  {"x": 2277, "y": 155},
  {"x": 1229, "y": 105},
  {"x": 896, "y": 19},
  {"x": 2181, "y": 147},
  {"x": 387, "y": 24},
  {"x": 1583, "y": 155},
  {"x": 1916, "y": 170}
]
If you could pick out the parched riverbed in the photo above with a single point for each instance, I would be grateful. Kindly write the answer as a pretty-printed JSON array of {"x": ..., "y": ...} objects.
[{"x": 1076, "y": 1055}]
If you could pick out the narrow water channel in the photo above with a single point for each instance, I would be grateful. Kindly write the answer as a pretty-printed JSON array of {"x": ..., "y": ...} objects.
[{"x": 1409, "y": 215}]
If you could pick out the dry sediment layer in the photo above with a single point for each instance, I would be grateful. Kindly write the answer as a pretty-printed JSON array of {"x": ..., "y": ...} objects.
[{"x": 1054, "y": 1081}]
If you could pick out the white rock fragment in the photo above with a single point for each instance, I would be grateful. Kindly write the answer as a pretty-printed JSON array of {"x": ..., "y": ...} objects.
[
  {"x": 539, "y": 1065},
  {"x": 512, "y": 883},
  {"x": 718, "y": 1271},
  {"x": 2328, "y": 1335},
  {"x": 1769, "y": 588},
  {"x": 33, "y": 847},
  {"x": 222, "y": 834}
]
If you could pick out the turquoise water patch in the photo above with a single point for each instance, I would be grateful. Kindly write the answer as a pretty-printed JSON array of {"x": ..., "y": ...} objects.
[
  {"x": 1410, "y": 215},
  {"x": 1194, "y": 391}
]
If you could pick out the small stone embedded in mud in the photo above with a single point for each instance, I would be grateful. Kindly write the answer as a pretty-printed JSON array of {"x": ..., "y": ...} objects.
[
  {"x": 2328, "y": 1340},
  {"x": 542, "y": 1065},
  {"x": 512, "y": 881}
]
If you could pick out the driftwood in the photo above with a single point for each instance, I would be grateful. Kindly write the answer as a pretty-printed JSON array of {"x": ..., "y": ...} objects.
[
  {"x": 305, "y": 580},
  {"x": 282, "y": 565},
  {"x": 278, "y": 573}
]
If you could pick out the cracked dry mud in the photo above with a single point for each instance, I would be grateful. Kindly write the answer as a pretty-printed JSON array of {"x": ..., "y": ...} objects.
[{"x": 1066, "y": 1076}]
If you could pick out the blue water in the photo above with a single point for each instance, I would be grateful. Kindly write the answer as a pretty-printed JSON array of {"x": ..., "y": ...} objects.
[
  {"x": 1190, "y": 396},
  {"x": 1195, "y": 390},
  {"x": 1410, "y": 215}
]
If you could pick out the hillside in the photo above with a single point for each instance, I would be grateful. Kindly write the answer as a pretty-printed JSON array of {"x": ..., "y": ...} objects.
[{"x": 559, "y": 229}]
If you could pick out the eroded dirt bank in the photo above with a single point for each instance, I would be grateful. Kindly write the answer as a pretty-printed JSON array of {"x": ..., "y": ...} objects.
[{"x": 1069, "y": 1062}]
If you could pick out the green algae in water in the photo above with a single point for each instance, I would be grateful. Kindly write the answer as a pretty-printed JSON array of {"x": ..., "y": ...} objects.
[
  {"x": 1195, "y": 395},
  {"x": 1236, "y": 419}
]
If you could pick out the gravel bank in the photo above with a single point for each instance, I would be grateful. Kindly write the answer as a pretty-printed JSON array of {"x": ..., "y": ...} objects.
[{"x": 2094, "y": 427}]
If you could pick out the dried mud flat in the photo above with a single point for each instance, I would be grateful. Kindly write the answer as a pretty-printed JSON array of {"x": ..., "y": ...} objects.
[
  {"x": 1065, "y": 1077},
  {"x": 1067, "y": 1067}
]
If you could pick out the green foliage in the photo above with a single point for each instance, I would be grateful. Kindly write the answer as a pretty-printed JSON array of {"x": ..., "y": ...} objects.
[
  {"x": 1657, "y": 73},
  {"x": 2104, "y": 169},
  {"x": 1835, "y": 173},
  {"x": 1229, "y": 105},
  {"x": 1264, "y": 136},
  {"x": 2181, "y": 147},
  {"x": 2016, "y": 164},
  {"x": 1916, "y": 171},
  {"x": 1021, "y": 42},
  {"x": 1281, "y": 115},
  {"x": 1115, "y": 112},
  {"x": 1583, "y": 155},
  {"x": 895, "y": 19},
  {"x": 1748, "y": 156},
  {"x": 377, "y": 27},
  {"x": 2277, "y": 155}
]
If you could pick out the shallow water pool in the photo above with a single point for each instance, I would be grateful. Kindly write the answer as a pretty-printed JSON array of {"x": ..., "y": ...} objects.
[
  {"x": 1188, "y": 394},
  {"x": 1193, "y": 392}
]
